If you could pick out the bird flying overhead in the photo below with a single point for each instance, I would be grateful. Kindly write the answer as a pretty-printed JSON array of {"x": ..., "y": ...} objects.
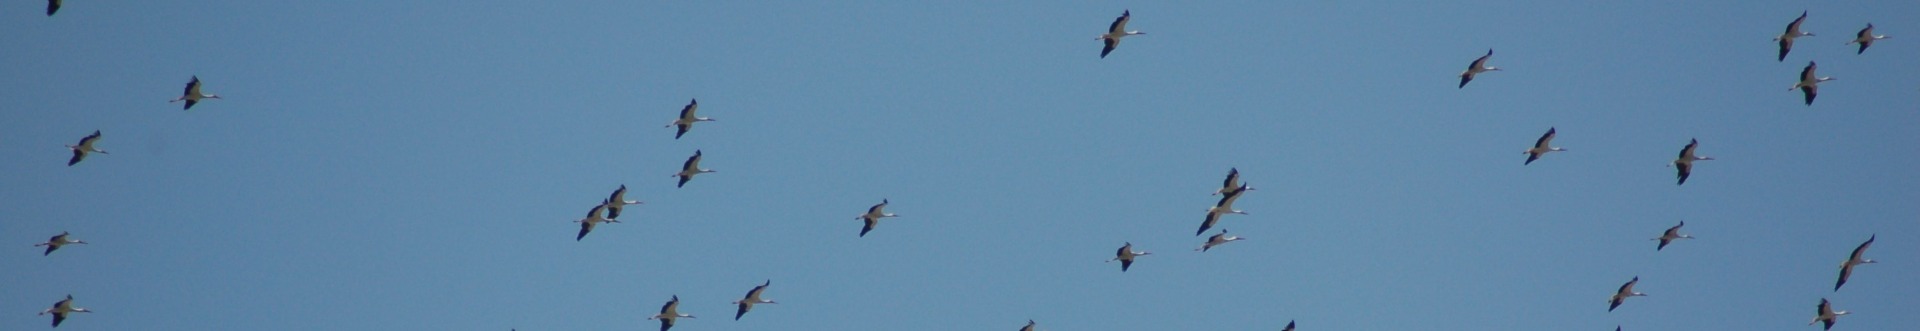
[
  {"x": 873, "y": 216},
  {"x": 1865, "y": 38},
  {"x": 192, "y": 95},
  {"x": 85, "y": 146},
  {"x": 1116, "y": 31},
  {"x": 689, "y": 169},
  {"x": 57, "y": 241},
  {"x": 1541, "y": 147},
  {"x": 1474, "y": 69},
  {"x": 1846, "y": 268},
  {"x": 686, "y": 119},
  {"x": 753, "y": 298},
  {"x": 60, "y": 310},
  {"x": 1685, "y": 162},
  {"x": 1626, "y": 291},
  {"x": 1809, "y": 83},
  {"x": 669, "y": 313},
  {"x": 1126, "y": 255},
  {"x": 1793, "y": 31},
  {"x": 1671, "y": 234}
]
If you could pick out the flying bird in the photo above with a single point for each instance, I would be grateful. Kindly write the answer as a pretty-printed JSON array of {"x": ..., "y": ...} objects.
[
  {"x": 1865, "y": 38},
  {"x": 593, "y": 217},
  {"x": 753, "y": 298},
  {"x": 1625, "y": 292},
  {"x": 692, "y": 167},
  {"x": 618, "y": 201},
  {"x": 1671, "y": 234},
  {"x": 86, "y": 146},
  {"x": 1846, "y": 268},
  {"x": 1827, "y": 314},
  {"x": 1029, "y": 326},
  {"x": 52, "y": 6},
  {"x": 1222, "y": 208},
  {"x": 1474, "y": 69},
  {"x": 192, "y": 95},
  {"x": 1216, "y": 240},
  {"x": 57, "y": 241},
  {"x": 1793, "y": 31},
  {"x": 1232, "y": 182},
  {"x": 686, "y": 119},
  {"x": 1126, "y": 255},
  {"x": 1541, "y": 147},
  {"x": 60, "y": 310},
  {"x": 873, "y": 216},
  {"x": 1116, "y": 31},
  {"x": 1809, "y": 83},
  {"x": 1685, "y": 162},
  {"x": 668, "y": 313}
]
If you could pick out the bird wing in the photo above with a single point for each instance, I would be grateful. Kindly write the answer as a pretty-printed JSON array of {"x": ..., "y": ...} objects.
[
  {"x": 1120, "y": 24},
  {"x": 686, "y": 113},
  {"x": 1808, "y": 92},
  {"x": 1111, "y": 43},
  {"x": 1846, "y": 270},
  {"x": 193, "y": 87},
  {"x": 1126, "y": 264},
  {"x": 1857, "y": 251},
  {"x": 869, "y": 227},
  {"x": 1545, "y": 139},
  {"x": 1794, "y": 28},
  {"x": 693, "y": 162},
  {"x": 1686, "y": 153},
  {"x": 53, "y": 6},
  {"x": 77, "y": 156},
  {"x": 585, "y": 227},
  {"x": 666, "y": 323},
  {"x": 1213, "y": 216},
  {"x": 682, "y": 129},
  {"x": 1786, "y": 45},
  {"x": 744, "y": 307},
  {"x": 1233, "y": 179}
]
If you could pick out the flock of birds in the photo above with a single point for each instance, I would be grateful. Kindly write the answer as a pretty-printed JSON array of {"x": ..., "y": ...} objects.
[{"x": 609, "y": 209}]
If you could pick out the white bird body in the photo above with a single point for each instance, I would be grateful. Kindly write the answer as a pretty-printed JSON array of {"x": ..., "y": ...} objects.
[
  {"x": 687, "y": 118},
  {"x": 1827, "y": 314},
  {"x": 617, "y": 201},
  {"x": 668, "y": 313},
  {"x": 1809, "y": 83},
  {"x": 192, "y": 95},
  {"x": 1672, "y": 234},
  {"x": 753, "y": 298},
  {"x": 1216, "y": 240},
  {"x": 1474, "y": 69},
  {"x": 1126, "y": 254},
  {"x": 1793, "y": 31},
  {"x": 1542, "y": 146},
  {"x": 1222, "y": 208},
  {"x": 690, "y": 168},
  {"x": 873, "y": 215},
  {"x": 593, "y": 218},
  {"x": 1232, "y": 182},
  {"x": 1858, "y": 258},
  {"x": 61, "y": 309},
  {"x": 1684, "y": 164},
  {"x": 1865, "y": 38},
  {"x": 57, "y": 241},
  {"x": 85, "y": 146},
  {"x": 1626, "y": 291},
  {"x": 1116, "y": 31}
]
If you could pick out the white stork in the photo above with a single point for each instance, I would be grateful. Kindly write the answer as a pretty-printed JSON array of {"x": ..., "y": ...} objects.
[
  {"x": 1474, "y": 69},
  {"x": 86, "y": 146},
  {"x": 1793, "y": 31},
  {"x": 1809, "y": 83},
  {"x": 1626, "y": 291},
  {"x": 1116, "y": 31},
  {"x": 1827, "y": 314},
  {"x": 617, "y": 201},
  {"x": 1865, "y": 38},
  {"x": 60, "y": 310},
  {"x": 1223, "y": 207},
  {"x": 192, "y": 95},
  {"x": 1685, "y": 162},
  {"x": 753, "y": 298},
  {"x": 668, "y": 313},
  {"x": 1126, "y": 255},
  {"x": 1541, "y": 147},
  {"x": 690, "y": 168},
  {"x": 1846, "y": 268},
  {"x": 686, "y": 119},
  {"x": 1232, "y": 182},
  {"x": 1216, "y": 240},
  {"x": 1672, "y": 234},
  {"x": 873, "y": 216},
  {"x": 57, "y": 241},
  {"x": 593, "y": 217}
]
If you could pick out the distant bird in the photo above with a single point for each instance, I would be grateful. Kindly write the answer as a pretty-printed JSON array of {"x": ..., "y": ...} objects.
[
  {"x": 57, "y": 241},
  {"x": 618, "y": 201},
  {"x": 1625, "y": 292},
  {"x": 686, "y": 119},
  {"x": 1671, "y": 234},
  {"x": 1685, "y": 162},
  {"x": 86, "y": 146},
  {"x": 1809, "y": 83},
  {"x": 1116, "y": 31},
  {"x": 1540, "y": 147},
  {"x": 593, "y": 217},
  {"x": 753, "y": 297},
  {"x": 52, "y": 6},
  {"x": 1290, "y": 326},
  {"x": 1793, "y": 31},
  {"x": 1222, "y": 208},
  {"x": 1865, "y": 38},
  {"x": 873, "y": 216},
  {"x": 1846, "y": 268},
  {"x": 668, "y": 313},
  {"x": 192, "y": 95},
  {"x": 60, "y": 310},
  {"x": 1232, "y": 182},
  {"x": 1827, "y": 314},
  {"x": 692, "y": 167},
  {"x": 1474, "y": 69},
  {"x": 1217, "y": 240},
  {"x": 1029, "y": 326},
  {"x": 1126, "y": 255}
]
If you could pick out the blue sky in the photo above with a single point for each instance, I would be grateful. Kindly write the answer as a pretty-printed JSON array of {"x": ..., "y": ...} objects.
[{"x": 382, "y": 165}]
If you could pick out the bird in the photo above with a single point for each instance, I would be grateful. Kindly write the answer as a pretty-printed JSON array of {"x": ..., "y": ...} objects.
[
  {"x": 753, "y": 297},
  {"x": 1029, "y": 326},
  {"x": 1232, "y": 182},
  {"x": 1685, "y": 163},
  {"x": 873, "y": 216},
  {"x": 52, "y": 6},
  {"x": 1116, "y": 31},
  {"x": 1793, "y": 31},
  {"x": 593, "y": 217},
  {"x": 618, "y": 201},
  {"x": 1846, "y": 268},
  {"x": 1626, "y": 291},
  {"x": 1478, "y": 66},
  {"x": 686, "y": 119},
  {"x": 86, "y": 146},
  {"x": 1223, "y": 207},
  {"x": 1540, "y": 147},
  {"x": 1126, "y": 255},
  {"x": 1671, "y": 234},
  {"x": 57, "y": 241},
  {"x": 668, "y": 313},
  {"x": 60, "y": 310},
  {"x": 1809, "y": 83},
  {"x": 1865, "y": 38},
  {"x": 1827, "y": 314},
  {"x": 192, "y": 95},
  {"x": 1290, "y": 326},
  {"x": 1217, "y": 240},
  {"x": 692, "y": 167}
]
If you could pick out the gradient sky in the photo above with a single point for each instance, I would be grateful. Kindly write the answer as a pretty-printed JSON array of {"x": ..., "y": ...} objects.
[{"x": 414, "y": 165}]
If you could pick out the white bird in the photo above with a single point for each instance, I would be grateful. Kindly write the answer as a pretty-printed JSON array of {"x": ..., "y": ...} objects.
[
  {"x": 60, "y": 310},
  {"x": 668, "y": 313},
  {"x": 1232, "y": 182},
  {"x": 1126, "y": 255},
  {"x": 686, "y": 119},
  {"x": 753, "y": 297},
  {"x": 1827, "y": 314},
  {"x": 1846, "y": 268},
  {"x": 1809, "y": 83},
  {"x": 1116, "y": 31},
  {"x": 692, "y": 167},
  {"x": 1029, "y": 326},
  {"x": 873, "y": 216},
  {"x": 1625, "y": 292},
  {"x": 52, "y": 6},
  {"x": 1793, "y": 31},
  {"x": 1223, "y": 207},
  {"x": 593, "y": 217},
  {"x": 57, "y": 241},
  {"x": 1865, "y": 38},
  {"x": 1474, "y": 69},
  {"x": 1216, "y": 240},
  {"x": 1540, "y": 147},
  {"x": 86, "y": 146},
  {"x": 192, "y": 95},
  {"x": 1685, "y": 162},
  {"x": 618, "y": 201},
  {"x": 1671, "y": 234}
]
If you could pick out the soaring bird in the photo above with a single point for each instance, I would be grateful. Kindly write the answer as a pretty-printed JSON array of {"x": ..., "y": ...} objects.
[
  {"x": 593, "y": 217},
  {"x": 1216, "y": 240},
  {"x": 690, "y": 168},
  {"x": 1671, "y": 234},
  {"x": 1685, "y": 162},
  {"x": 1126, "y": 255},
  {"x": 1865, "y": 38},
  {"x": 1541, "y": 147},
  {"x": 1116, "y": 31},
  {"x": 618, "y": 201},
  {"x": 1474, "y": 69},
  {"x": 86, "y": 146},
  {"x": 753, "y": 298},
  {"x": 1809, "y": 83},
  {"x": 686, "y": 119},
  {"x": 1029, "y": 326},
  {"x": 57, "y": 241},
  {"x": 1232, "y": 182},
  {"x": 60, "y": 310},
  {"x": 1222, "y": 208},
  {"x": 668, "y": 313},
  {"x": 1846, "y": 268},
  {"x": 1290, "y": 326},
  {"x": 192, "y": 95},
  {"x": 873, "y": 216},
  {"x": 1793, "y": 31},
  {"x": 1626, "y": 291},
  {"x": 1827, "y": 314},
  {"x": 52, "y": 6}
]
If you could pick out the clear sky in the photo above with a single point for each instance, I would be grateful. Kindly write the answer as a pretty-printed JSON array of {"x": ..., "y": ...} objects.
[{"x": 414, "y": 165}]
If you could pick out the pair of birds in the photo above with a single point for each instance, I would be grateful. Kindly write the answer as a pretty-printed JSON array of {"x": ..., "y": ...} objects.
[
  {"x": 670, "y": 312},
  {"x": 192, "y": 96},
  {"x": 1825, "y": 312},
  {"x": 1126, "y": 254},
  {"x": 1864, "y": 38},
  {"x": 610, "y": 207},
  {"x": 1230, "y": 191},
  {"x": 1683, "y": 163},
  {"x": 684, "y": 123}
]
